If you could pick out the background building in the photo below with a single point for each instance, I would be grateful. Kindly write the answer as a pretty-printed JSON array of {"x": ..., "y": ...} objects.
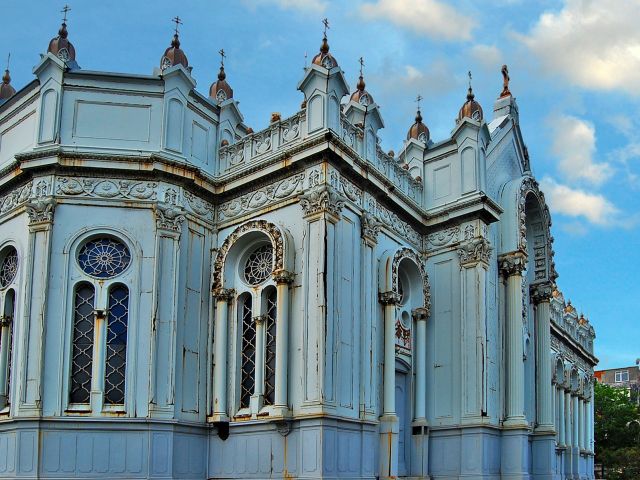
[
  {"x": 184, "y": 297},
  {"x": 626, "y": 377}
]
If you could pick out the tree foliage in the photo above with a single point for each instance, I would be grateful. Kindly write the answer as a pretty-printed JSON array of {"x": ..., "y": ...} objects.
[{"x": 617, "y": 432}]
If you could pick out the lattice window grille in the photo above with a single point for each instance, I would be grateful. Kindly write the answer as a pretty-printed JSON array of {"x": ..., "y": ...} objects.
[
  {"x": 104, "y": 257},
  {"x": 116, "y": 353},
  {"x": 248, "y": 365},
  {"x": 270, "y": 350},
  {"x": 9, "y": 268},
  {"x": 259, "y": 265},
  {"x": 9, "y": 364},
  {"x": 82, "y": 350}
]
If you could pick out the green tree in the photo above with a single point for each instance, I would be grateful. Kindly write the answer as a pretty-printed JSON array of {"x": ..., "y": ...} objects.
[{"x": 617, "y": 432}]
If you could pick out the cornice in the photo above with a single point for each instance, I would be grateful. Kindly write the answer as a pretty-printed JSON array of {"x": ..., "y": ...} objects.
[{"x": 571, "y": 343}]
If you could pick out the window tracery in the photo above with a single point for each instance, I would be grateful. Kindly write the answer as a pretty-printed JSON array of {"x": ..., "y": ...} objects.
[
  {"x": 116, "y": 355},
  {"x": 248, "y": 351},
  {"x": 104, "y": 257},
  {"x": 270, "y": 350},
  {"x": 259, "y": 265},
  {"x": 82, "y": 350},
  {"x": 9, "y": 267}
]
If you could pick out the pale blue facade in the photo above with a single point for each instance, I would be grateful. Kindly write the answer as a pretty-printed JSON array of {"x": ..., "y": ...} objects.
[{"x": 286, "y": 303}]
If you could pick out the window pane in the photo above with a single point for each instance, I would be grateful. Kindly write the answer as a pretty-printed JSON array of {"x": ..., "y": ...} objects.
[
  {"x": 82, "y": 350},
  {"x": 116, "y": 355},
  {"x": 270, "y": 355},
  {"x": 248, "y": 352},
  {"x": 9, "y": 313}
]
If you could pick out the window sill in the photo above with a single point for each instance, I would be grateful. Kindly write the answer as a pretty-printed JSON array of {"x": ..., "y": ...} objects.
[{"x": 78, "y": 409}]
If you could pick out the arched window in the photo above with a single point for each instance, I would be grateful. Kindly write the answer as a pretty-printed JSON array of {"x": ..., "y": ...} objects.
[
  {"x": 101, "y": 306},
  {"x": 116, "y": 355},
  {"x": 270, "y": 347},
  {"x": 82, "y": 352},
  {"x": 8, "y": 276},
  {"x": 248, "y": 350}
]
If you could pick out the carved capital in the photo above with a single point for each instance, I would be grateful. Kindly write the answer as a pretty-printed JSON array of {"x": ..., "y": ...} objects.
[
  {"x": 321, "y": 199},
  {"x": 419, "y": 314},
  {"x": 389, "y": 298},
  {"x": 5, "y": 320},
  {"x": 283, "y": 277},
  {"x": 370, "y": 227},
  {"x": 474, "y": 251},
  {"x": 224, "y": 294},
  {"x": 41, "y": 210},
  {"x": 512, "y": 263},
  {"x": 259, "y": 319},
  {"x": 541, "y": 292},
  {"x": 169, "y": 217}
]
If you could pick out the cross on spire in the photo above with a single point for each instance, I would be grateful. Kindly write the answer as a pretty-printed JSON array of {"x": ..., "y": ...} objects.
[
  {"x": 418, "y": 100},
  {"x": 325, "y": 22},
  {"x": 470, "y": 77},
  {"x": 177, "y": 21},
  {"x": 361, "y": 61},
  {"x": 222, "y": 57},
  {"x": 65, "y": 10},
  {"x": 8, "y": 60}
]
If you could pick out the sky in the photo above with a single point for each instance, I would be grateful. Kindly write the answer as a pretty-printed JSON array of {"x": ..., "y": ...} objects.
[{"x": 574, "y": 68}]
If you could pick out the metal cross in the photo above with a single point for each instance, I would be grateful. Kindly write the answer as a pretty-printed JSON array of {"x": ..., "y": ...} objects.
[
  {"x": 8, "y": 60},
  {"x": 66, "y": 9},
  {"x": 222, "y": 56},
  {"x": 418, "y": 100},
  {"x": 469, "y": 73},
  {"x": 177, "y": 21},
  {"x": 361, "y": 65},
  {"x": 325, "y": 22}
]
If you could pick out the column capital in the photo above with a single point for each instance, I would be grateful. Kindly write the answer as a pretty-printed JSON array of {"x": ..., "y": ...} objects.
[
  {"x": 541, "y": 292},
  {"x": 169, "y": 217},
  {"x": 370, "y": 228},
  {"x": 5, "y": 320},
  {"x": 322, "y": 199},
  {"x": 475, "y": 250},
  {"x": 512, "y": 263},
  {"x": 420, "y": 314},
  {"x": 283, "y": 277},
  {"x": 222, "y": 294},
  {"x": 389, "y": 298},
  {"x": 259, "y": 319},
  {"x": 40, "y": 211}
]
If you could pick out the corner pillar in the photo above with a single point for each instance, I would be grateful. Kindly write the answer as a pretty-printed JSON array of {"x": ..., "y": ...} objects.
[
  {"x": 223, "y": 296},
  {"x": 283, "y": 281}
]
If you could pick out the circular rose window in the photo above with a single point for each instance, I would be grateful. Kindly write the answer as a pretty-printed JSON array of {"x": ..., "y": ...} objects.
[
  {"x": 259, "y": 265},
  {"x": 8, "y": 267},
  {"x": 104, "y": 257}
]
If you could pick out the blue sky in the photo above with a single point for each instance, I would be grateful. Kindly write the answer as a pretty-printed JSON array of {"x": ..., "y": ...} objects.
[{"x": 574, "y": 66}]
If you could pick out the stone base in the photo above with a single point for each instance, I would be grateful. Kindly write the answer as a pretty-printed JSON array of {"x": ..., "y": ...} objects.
[
  {"x": 515, "y": 455},
  {"x": 389, "y": 428}
]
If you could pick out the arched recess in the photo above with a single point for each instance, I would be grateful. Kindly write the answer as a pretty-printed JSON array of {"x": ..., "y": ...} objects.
[
  {"x": 280, "y": 241},
  {"x": 390, "y": 268},
  {"x": 526, "y": 227}
]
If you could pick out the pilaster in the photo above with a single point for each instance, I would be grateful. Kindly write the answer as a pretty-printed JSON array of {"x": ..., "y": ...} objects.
[
  {"x": 540, "y": 296},
  {"x": 222, "y": 297},
  {"x": 283, "y": 280}
]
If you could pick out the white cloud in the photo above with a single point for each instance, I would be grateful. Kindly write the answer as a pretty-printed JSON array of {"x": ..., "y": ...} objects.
[
  {"x": 309, "y": 6},
  {"x": 574, "y": 202},
  {"x": 489, "y": 56},
  {"x": 593, "y": 43},
  {"x": 574, "y": 143},
  {"x": 430, "y": 18}
]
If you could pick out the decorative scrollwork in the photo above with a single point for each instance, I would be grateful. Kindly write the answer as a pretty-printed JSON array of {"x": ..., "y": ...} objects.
[{"x": 411, "y": 254}]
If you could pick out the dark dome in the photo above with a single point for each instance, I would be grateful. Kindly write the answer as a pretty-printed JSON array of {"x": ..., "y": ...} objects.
[
  {"x": 173, "y": 55},
  {"x": 471, "y": 108},
  {"x": 419, "y": 130},
  {"x": 6, "y": 90},
  {"x": 324, "y": 58},
  {"x": 361, "y": 96},
  {"x": 61, "y": 47},
  {"x": 220, "y": 90}
]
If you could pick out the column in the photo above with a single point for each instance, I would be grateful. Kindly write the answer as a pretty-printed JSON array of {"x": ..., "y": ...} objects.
[
  {"x": 420, "y": 316},
  {"x": 575, "y": 457},
  {"x": 474, "y": 254},
  {"x": 37, "y": 285},
  {"x": 370, "y": 228},
  {"x": 223, "y": 296},
  {"x": 5, "y": 336},
  {"x": 582, "y": 423},
  {"x": 568, "y": 432},
  {"x": 541, "y": 295},
  {"x": 561, "y": 416},
  {"x": 511, "y": 267},
  {"x": 283, "y": 281},
  {"x": 258, "y": 387},
  {"x": 169, "y": 218}
]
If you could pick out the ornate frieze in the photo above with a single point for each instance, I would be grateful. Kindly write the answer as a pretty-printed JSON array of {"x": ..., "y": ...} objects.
[
  {"x": 15, "y": 198},
  {"x": 403, "y": 337},
  {"x": 268, "y": 228},
  {"x": 265, "y": 196},
  {"x": 443, "y": 238},
  {"x": 512, "y": 263},
  {"x": 106, "y": 188},
  {"x": 474, "y": 251},
  {"x": 370, "y": 227},
  {"x": 169, "y": 217},
  {"x": 541, "y": 292},
  {"x": 320, "y": 199},
  {"x": 391, "y": 221}
]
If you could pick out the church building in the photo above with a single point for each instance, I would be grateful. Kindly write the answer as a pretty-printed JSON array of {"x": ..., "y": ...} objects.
[{"x": 183, "y": 297}]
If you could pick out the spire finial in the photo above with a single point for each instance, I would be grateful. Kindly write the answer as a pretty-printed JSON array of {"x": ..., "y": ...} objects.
[
  {"x": 8, "y": 60},
  {"x": 221, "y": 74},
  {"x": 65, "y": 10},
  {"x": 505, "y": 82},
  {"x": 6, "y": 78},
  {"x": 325, "y": 22},
  {"x": 470, "y": 94},
  {"x": 361, "y": 61},
  {"x": 418, "y": 114},
  {"x": 361, "y": 85},
  {"x": 178, "y": 22}
]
